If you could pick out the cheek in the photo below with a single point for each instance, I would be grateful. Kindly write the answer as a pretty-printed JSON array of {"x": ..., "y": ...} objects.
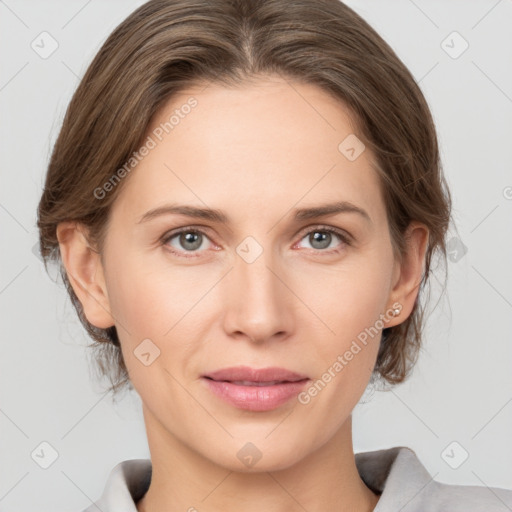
[
  {"x": 137, "y": 303},
  {"x": 148, "y": 296},
  {"x": 159, "y": 303},
  {"x": 348, "y": 302},
  {"x": 350, "y": 297}
]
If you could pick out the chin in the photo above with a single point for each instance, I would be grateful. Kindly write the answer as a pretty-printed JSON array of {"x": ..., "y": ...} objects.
[{"x": 254, "y": 457}]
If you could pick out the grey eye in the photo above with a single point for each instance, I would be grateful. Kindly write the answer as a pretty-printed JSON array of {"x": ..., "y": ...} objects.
[{"x": 187, "y": 241}]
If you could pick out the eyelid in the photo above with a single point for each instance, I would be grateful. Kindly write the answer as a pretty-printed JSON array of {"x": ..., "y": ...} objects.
[
  {"x": 185, "y": 229},
  {"x": 344, "y": 235}
]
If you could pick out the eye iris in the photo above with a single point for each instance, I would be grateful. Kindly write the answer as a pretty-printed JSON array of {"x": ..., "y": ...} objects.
[
  {"x": 190, "y": 238},
  {"x": 320, "y": 236}
]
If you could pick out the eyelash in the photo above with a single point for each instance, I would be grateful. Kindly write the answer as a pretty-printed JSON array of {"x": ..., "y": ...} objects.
[{"x": 346, "y": 239}]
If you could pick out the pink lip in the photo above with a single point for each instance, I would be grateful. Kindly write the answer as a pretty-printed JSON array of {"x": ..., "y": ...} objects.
[
  {"x": 256, "y": 397},
  {"x": 255, "y": 375}
]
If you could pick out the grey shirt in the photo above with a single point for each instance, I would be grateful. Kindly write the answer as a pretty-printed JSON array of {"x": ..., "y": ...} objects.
[{"x": 395, "y": 473}]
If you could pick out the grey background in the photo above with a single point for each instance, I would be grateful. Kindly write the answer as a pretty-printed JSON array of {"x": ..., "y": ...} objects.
[{"x": 461, "y": 389}]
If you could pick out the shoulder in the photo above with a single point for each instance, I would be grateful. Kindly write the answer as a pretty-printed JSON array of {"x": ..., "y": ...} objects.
[
  {"x": 404, "y": 484},
  {"x": 127, "y": 482},
  {"x": 468, "y": 498}
]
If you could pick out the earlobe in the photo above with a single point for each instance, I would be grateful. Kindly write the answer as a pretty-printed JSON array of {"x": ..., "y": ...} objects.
[
  {"x": 85, "y": 273},
  {"x": 410, "y": 270}
]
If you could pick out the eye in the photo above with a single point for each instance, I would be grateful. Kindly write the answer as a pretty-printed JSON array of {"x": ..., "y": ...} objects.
[
  {"x": 185, "y": 240},
  {"x": 321, "y": 237},
  {"x": 192, "y": 240}
]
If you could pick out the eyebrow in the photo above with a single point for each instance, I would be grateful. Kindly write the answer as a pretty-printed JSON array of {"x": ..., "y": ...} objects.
[{"x": 299, "y": 214}]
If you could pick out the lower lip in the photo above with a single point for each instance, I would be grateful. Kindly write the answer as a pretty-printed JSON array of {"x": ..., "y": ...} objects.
[{"x": 256, "y": 398}]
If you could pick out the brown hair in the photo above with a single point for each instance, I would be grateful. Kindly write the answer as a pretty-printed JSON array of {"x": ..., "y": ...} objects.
[{"x": 167, "y": 45}]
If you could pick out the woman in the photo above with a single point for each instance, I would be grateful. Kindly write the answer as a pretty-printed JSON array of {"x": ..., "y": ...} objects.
[{"x": 245, "y": 198}]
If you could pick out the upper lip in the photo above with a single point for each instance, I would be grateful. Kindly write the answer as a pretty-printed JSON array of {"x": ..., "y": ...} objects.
[{"x": 239, "y": 373}]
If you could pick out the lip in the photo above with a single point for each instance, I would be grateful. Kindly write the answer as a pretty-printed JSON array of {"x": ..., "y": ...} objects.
[
  {"x": 272, "y": 387},
  {"x": 238, "y": 373}
]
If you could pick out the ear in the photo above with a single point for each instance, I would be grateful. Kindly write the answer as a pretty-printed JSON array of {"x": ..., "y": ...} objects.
[
  {"x": 408, "y": 272},
  {"x": 85, "y": 273}
]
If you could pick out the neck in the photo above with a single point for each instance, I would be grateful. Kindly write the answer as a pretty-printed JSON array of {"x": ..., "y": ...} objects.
[{"x": 183, "y": 480}]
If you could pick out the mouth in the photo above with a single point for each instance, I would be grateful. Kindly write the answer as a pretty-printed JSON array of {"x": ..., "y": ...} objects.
[
  {"x": 256, "y": 383},
  {"x": 246, "y": 374},
  {"x": 255, "y": 389}
]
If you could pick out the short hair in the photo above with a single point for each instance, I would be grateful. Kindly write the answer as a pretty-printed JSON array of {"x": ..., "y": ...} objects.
[{"x": 167, "y": 45}]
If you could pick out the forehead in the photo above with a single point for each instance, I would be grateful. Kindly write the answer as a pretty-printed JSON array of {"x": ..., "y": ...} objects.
[{"x": 271, "y": 142}]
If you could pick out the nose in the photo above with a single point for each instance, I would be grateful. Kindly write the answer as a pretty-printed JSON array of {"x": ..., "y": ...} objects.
[{"x": 260, "y": 306}]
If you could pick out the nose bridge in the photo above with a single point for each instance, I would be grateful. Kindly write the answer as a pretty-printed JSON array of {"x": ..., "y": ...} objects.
[{"x": 257, "y": 277}]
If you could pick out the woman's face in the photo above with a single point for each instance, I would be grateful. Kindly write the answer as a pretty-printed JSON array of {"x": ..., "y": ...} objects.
[{"x": 266, "y": 285}]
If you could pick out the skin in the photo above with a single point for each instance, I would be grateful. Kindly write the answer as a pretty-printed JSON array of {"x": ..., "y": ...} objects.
[{"x": 255, "y": 152}]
